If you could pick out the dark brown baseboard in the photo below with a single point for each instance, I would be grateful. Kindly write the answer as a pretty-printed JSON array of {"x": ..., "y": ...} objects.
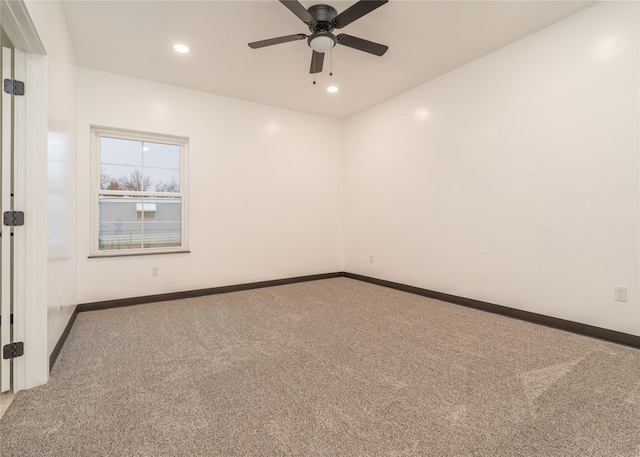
[
  {"x": 62, "y": 339},
  {"x": 554, "y": 322},
  {"x": 200, "y": 292},
  {"x": 535, "y": 318}
]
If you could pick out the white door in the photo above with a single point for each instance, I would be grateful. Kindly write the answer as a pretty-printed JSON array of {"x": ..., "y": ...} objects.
[{"x": 6, "y": 197}]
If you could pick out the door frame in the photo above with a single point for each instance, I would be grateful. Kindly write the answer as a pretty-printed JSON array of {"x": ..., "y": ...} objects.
[{"x": 30, "y": 184}]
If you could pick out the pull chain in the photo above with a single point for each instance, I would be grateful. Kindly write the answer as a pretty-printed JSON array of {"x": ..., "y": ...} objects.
[
  {"x": 331, "y": 61},
  {"x": 313, "y": 64}
]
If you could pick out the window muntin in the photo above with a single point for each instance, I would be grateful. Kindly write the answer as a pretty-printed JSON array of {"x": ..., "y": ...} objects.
[{"x": 140, "y": 202}]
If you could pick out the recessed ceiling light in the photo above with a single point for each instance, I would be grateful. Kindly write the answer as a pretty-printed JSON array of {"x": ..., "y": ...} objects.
[
  {"x": 421, "y": 114},
  {"x": 183, "y": 48},
  {"x": 332, "y": 89},
  {"x": 606, "y": 47}
]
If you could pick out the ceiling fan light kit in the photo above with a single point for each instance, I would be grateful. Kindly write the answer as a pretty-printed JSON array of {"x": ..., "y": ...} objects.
[
  {"x": 322, "y": 20},
  {"x": 321, "y": 41}
]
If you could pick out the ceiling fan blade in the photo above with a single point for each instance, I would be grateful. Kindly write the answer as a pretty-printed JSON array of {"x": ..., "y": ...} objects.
[
  {"x": 296, "y": 8},
  {"x": 356, "y": 11},
  {"x": 362, "y": 45},
  {"x": 282, "y": 39},
  {"x": 317, "y": 59}
]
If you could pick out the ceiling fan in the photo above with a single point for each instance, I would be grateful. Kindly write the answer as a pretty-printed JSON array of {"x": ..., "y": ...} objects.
[{"x": 322, "y": 20}]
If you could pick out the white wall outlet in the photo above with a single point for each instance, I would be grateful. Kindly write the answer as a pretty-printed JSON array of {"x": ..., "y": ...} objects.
[
  {"x": 620, "y": 293},
  {"x": 155, "y": 271},
  {"x": 370, "y": 258}
]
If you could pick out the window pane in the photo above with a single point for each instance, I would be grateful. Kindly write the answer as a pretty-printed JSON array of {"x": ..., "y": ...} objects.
[
  {"x": 121, "y": 152},
  {"x": 162, "y": 234},
  {"x": 164, "y": 228},
  {"x": 117, "y": 177},
  {"x": 163, "y": 180},
  {"x": 161, "y": 155},
  {"x": 120, "y": 228}
]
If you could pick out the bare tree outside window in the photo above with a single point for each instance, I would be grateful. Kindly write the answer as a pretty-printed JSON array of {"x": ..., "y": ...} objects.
[
  {"x": 135, "y": 181},
  {"x": 172, "y": 186},
  {"x": 105, "y": 180}
]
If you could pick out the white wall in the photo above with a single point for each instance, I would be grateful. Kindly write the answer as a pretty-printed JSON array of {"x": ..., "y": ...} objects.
[
  {"x": 61, "y": 68},
  {"x": 513, "y": 179},
  {"x": 265, "y": 189}
]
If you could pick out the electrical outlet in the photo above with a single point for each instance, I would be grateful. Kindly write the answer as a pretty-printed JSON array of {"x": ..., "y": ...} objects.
[
  {"x": 155, "y": 271},
  {"x": 620, "y": 293},
  {"x": 371, "y": 258}
]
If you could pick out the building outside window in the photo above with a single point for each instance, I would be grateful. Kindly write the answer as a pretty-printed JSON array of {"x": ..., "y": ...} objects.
[{"x": 140, "y": 198}]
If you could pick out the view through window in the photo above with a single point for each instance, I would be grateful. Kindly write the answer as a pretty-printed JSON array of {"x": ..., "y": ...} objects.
[{"x": 141, "y": 199}]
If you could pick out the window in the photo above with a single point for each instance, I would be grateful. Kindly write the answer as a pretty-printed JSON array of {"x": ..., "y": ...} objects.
[{"x": 140, "y": 198}]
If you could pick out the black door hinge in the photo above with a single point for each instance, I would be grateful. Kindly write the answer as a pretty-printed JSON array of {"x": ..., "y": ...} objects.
[
  {"x": 13, "y": 218},
  {"x": 13, "y": 87},
  {"x": 13, "y": 350}
]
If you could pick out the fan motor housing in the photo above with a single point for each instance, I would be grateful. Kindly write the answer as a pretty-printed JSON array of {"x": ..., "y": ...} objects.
[{"x": 323, "y": 18}]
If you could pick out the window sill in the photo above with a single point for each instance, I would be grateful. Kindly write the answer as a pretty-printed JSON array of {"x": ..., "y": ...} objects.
[{"x": 132, "y": 254}]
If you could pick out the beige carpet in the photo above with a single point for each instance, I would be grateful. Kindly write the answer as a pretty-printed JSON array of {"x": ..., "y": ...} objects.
[{"x": 326, "y": 368}]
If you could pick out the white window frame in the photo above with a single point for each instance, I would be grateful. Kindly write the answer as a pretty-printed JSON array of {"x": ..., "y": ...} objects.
[{"x": 97, "y": 133}]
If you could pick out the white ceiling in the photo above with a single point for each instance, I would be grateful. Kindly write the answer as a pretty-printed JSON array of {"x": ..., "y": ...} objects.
[{"x": 425, "y": 38}]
